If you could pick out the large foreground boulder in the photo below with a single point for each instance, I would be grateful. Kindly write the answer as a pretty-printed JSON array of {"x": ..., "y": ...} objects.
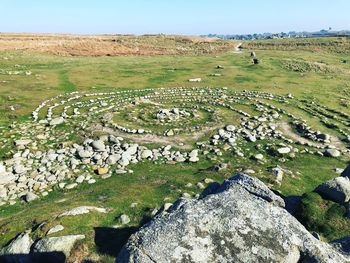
[{"x": 238, "y": 221}]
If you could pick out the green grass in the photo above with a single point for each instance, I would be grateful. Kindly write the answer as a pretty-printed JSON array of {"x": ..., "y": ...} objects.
[
  {"x": 66, "y": 84},
  {"x": 151, "y": 183},
  {"x": 324, "y": 217}
]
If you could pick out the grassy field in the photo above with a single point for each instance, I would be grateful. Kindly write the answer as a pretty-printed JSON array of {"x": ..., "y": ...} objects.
[{"x": 151, "y": 185}]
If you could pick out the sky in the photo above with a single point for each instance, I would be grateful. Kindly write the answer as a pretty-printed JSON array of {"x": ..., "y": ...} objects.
[{"x": 186, "y": 17}]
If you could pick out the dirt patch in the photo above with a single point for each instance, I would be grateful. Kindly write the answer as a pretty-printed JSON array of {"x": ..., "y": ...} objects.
[
  {"x": 175, "y": 141},
  {"x": 288, "y": 131},
  {"x": 113, "y": 45}
]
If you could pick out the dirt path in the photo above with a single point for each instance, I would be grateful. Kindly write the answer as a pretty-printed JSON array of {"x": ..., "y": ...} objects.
[
  {"x": 151, "y": 138},
  {"x": 288, "y": 131}
]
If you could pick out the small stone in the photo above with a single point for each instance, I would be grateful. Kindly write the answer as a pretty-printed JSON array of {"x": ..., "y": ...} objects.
[
  {"x": 92, "y": 181},
  {"x": 71, "y": 186},
  {"x": 29, "y": 197},
  {"x": 80, "y": 179},
  {"x": 102, "y": 170},
  {"x": 55, "y": 229},
  {"x": 124, "y": 219},
  {"x": 283, "y": 150},
  {"x": 332, "y": 153},
  {"x": 259, "y": 157}
]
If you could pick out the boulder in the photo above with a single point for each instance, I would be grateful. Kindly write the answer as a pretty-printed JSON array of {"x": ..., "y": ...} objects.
[
  {"x": 57, "y": 244},
  {"x": 146, "y": 154},
  {"x": 83, "y": 210},
  {"x": 20, "y": 245},
  {"x": 332, "y": 153},
  {"x": 238, "y": 221},
  {"x": 337, "y": 189},
  {"x": 98, "y": 146},
  {"x": 57, "y": 121},
  {"x": 55, "y": 229},
  {"x": 30, "y": 196},
  {"x": 283, "y": 150},
  {"x": 2, "y": 168},
  {"x": 22, "y": 142},
  {"x": 6, "y": 178}
]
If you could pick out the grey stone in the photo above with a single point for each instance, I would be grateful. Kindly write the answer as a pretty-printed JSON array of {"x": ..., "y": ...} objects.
[
  {"x": 55, "y": 229},
  {"x": 83, "y": 210},
  {"x": 283, "y": 150},
  {"x": 20, "y": 245},
  {"x": 124, "y": 219},
  {"x": 29, "y": 197},
  {"x": 98, "y": 146},
  {"x": 61, "y": 244},
  {"x": 57, "y": 121},
  {"x": 240, "y": 221},
  {"x": 332, "y": 153},
  {"x": 337, "y": 189}
]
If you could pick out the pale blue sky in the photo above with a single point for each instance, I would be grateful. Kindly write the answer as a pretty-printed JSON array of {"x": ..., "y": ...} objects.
[{"x": 172, "y": 16}]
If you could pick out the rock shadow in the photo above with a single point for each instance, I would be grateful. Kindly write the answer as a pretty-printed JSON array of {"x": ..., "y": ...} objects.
[
  {"x": 109, "y": 241},
  {"x": 42, "y": 257}
]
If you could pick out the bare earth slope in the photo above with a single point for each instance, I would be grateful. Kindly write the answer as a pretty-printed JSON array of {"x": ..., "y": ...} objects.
[{"x": 113, "y": 45}]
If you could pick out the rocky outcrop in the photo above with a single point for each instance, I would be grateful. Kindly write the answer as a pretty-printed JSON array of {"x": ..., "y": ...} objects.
[
  {"x": 20, "y": 245},
  {"x": 53, "y": 244},
  {"x": 240, "y": 220}
]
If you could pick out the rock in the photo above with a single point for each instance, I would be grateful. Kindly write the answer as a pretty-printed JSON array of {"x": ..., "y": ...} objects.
[
  {"x": 80, "y": 179},
  {"x": 259, "y": 157},
  {"x": 19, "y": 169},
  {"x": 6, "y": 178},
  {"x": 220, "y": 167},
  {"x": 146, "y": 154},
  {"x": 283, "y": 150},
  {"x": 85, "y": 154},
  {"x": 277, "y": 172},
  {"x": 113, "y": 159},
  {"x": 240, "y": 221},
  {"x": 195, "y": 80},
  {"x": 332, "y": 153},
  {"x": 22, "y": 142},
  {"x": 61, "y": 244},
  {"x": 230, "y": 128},
  {"x": 29, "y": 197},
  {"x": 83, "y": 210},
  {"x": 2, "y": 168},
  {"x": 124, "y": 219},
  {"x": 20, "y": 245},
  {"x": 91, "y": 181},
  {"x": 337, "y": 189},
  {"x": 251, "y": 138},
  {"x": 98, "y": 146},
  {"x": 342, "y": 244},
  {"x": 193, "y": 159},
  {"x": 170, "y": 133},
  {"x": 71, "y": 186},
  {"x": 102, "y": 170},
  {"x": 55, "y": 229},
  {"x": 57, "y": 121}
]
